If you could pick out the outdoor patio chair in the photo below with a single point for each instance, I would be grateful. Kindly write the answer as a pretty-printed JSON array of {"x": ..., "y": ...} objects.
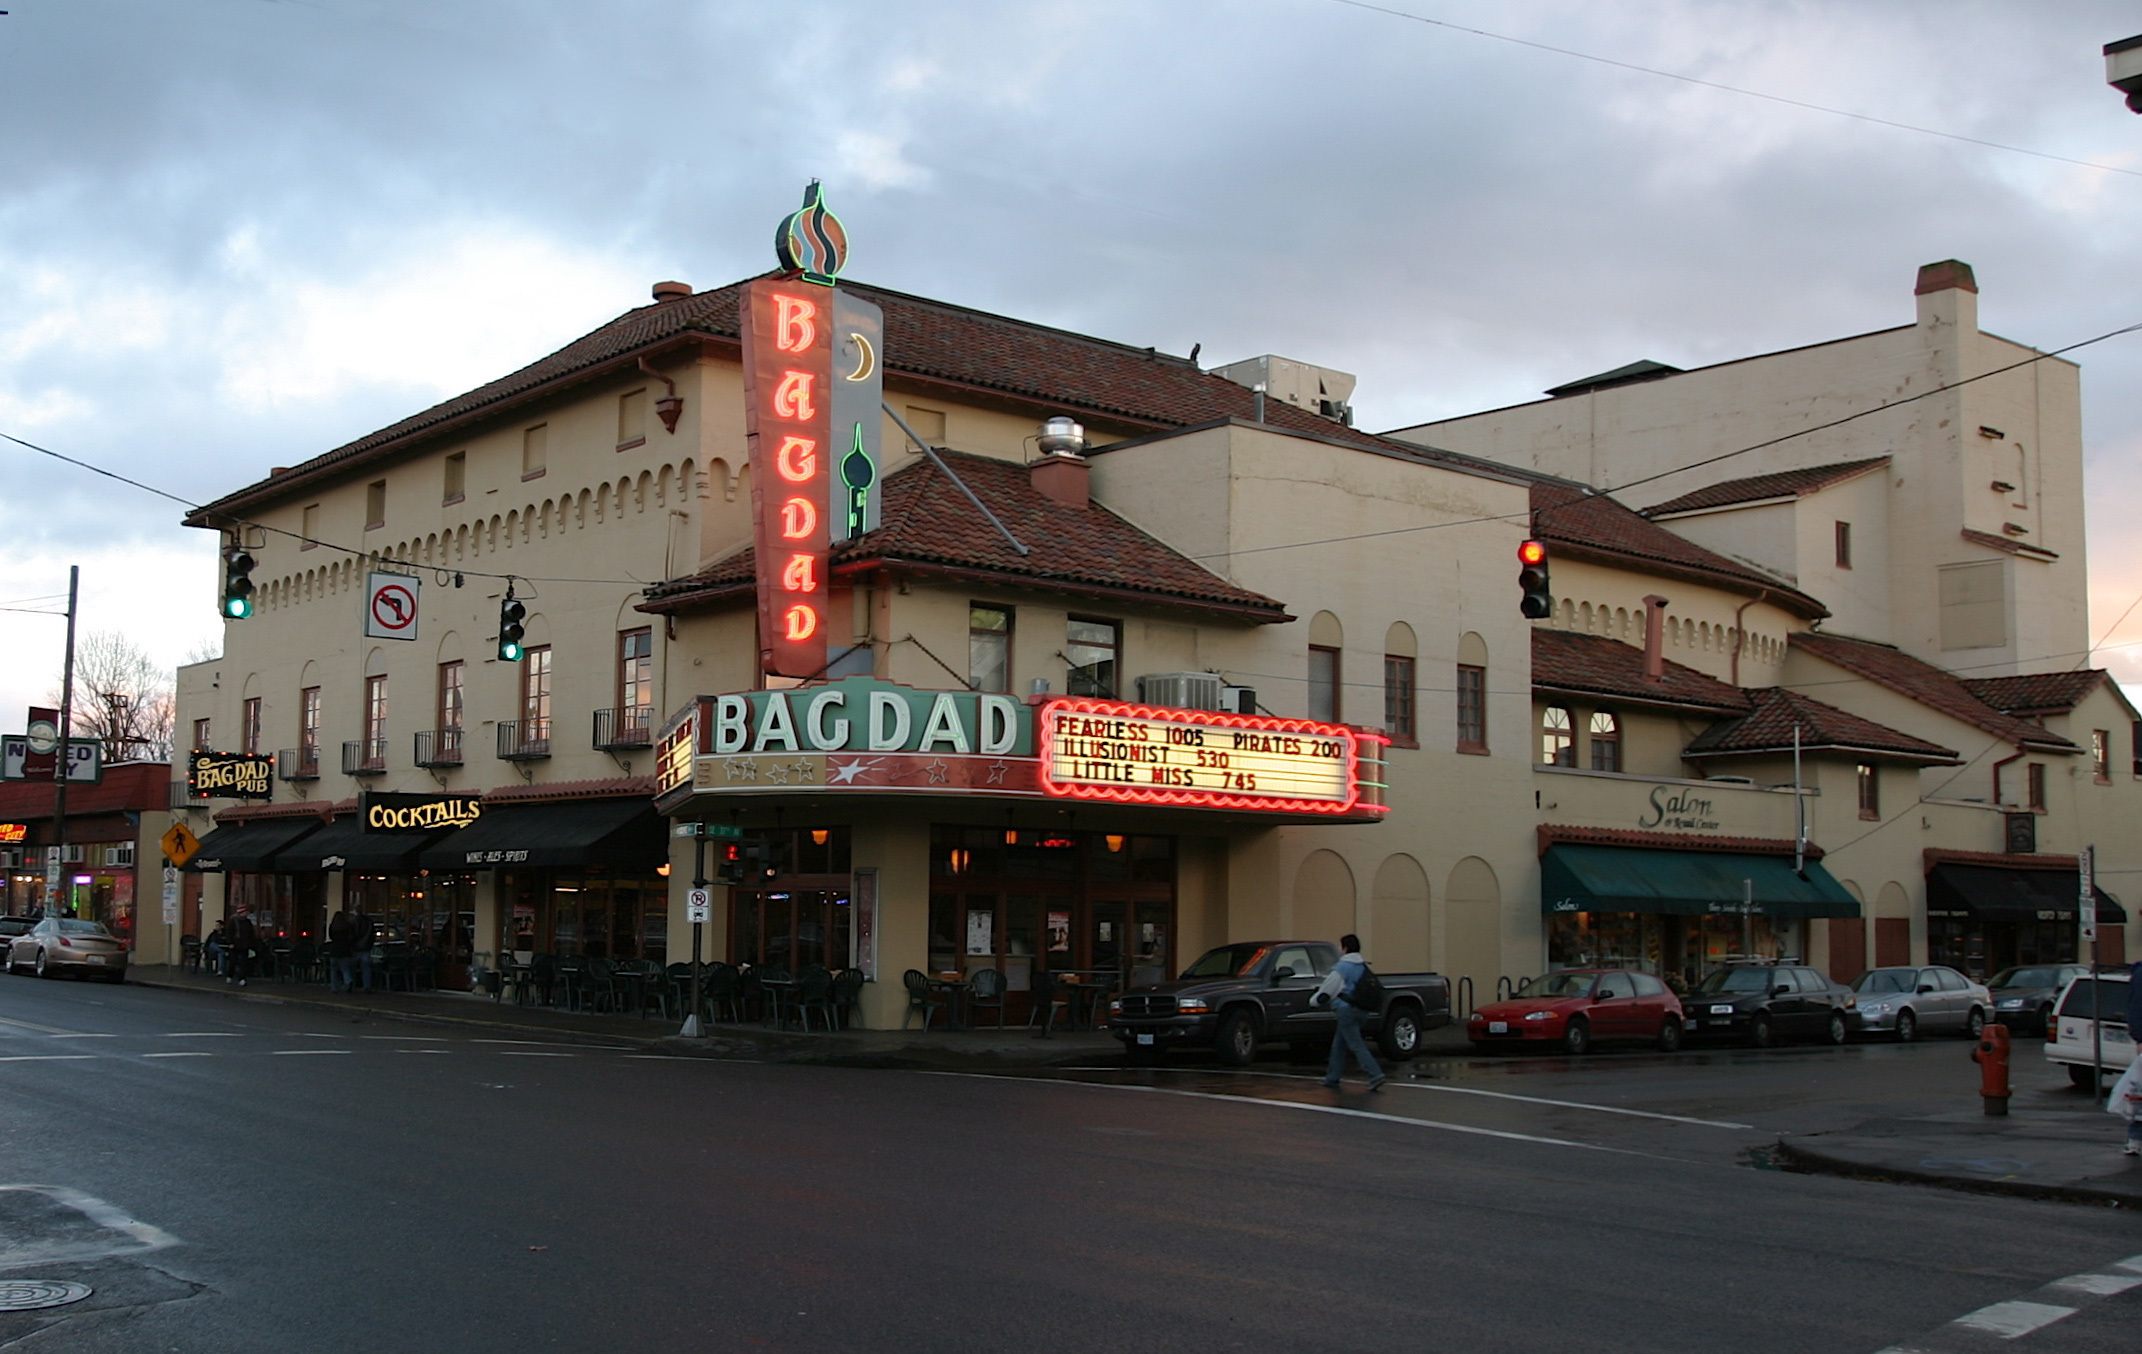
[
  {"x": 985, "y": 989},
  {"x": 814, "y": 992}
]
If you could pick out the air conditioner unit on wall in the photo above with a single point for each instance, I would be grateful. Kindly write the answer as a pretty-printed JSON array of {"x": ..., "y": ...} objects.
[
  {"x": 1181, "y": 690},
  {"x": 1239, "y": 700}
]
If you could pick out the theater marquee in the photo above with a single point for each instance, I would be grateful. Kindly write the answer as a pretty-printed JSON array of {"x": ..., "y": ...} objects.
[{"x": 1140, "y": 754}]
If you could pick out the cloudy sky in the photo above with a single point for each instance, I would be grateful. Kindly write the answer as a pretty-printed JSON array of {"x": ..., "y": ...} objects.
[{"x": 237, "y": 233}]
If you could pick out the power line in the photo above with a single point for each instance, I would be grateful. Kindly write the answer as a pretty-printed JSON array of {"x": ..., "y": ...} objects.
[{"x": 1723, "y": 88}]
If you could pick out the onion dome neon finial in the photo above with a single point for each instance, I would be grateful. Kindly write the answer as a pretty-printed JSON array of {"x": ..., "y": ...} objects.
[{"x": 811, "y": 240}]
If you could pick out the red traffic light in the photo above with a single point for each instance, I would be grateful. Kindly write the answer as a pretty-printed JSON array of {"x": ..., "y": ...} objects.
[{"x": 1531, "y": 552}]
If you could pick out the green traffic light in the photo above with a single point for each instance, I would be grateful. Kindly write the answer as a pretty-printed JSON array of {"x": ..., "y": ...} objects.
[
  {"x": 509, "y": 651},
  {"x": 237, "y": 608}
]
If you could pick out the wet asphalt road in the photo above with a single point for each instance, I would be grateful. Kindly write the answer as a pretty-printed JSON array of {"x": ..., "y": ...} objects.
[{"x": 238, "y": 1176}]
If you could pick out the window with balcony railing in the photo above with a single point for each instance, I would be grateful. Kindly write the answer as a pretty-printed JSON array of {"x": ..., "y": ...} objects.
[
  {"x": 438, "y": 747},
  {"x": 523, "y": 740},
  {"x": 364, "y": 756},
  {"x": 298, "y": 763},
  {"x": 626, "y": 726}
]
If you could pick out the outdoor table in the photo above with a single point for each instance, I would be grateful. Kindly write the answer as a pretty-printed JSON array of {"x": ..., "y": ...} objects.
[
  {"x": 954, "y": 986},
  {"x": 778, "y": 991}
]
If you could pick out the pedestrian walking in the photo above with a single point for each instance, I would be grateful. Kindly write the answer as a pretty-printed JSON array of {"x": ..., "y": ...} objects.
[
  {"x": 1337, "y": 991},
  {"x": 244, "y": 939},
  {"x": 341, "y": 952},
  {"x": 361, "y": 942}
]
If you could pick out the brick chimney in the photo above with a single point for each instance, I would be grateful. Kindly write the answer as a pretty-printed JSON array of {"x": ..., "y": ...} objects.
[
  {"x": 1063, "y": 472},
  {"x": 1948, "y": 294},
  {"x": 1654, "y": 640}
]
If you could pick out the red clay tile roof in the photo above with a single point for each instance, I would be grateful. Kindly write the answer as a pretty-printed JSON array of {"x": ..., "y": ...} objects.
[
  {"x": 1756, "y": 488},
  {"x": 1550, "y": 835},
  {"x": 928, "y": 523},
  {"x": 1131, "y": 389},
  {"x": 2035, "y": 693},
  {"x": 1593, "y": 665},
  {"x": 613, "y": 787},
  {"x": 1768, "y": 727},
  {"x": 1578, "y": 522},
  {"x": 1926, "y": 684}
]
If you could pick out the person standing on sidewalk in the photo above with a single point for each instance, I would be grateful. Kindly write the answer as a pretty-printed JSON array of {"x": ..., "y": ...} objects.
[
  {"x": 1336, "y": 991},
  {"x": 341, "y": 951},
  {"x": 244, "y": 938},
  {"x": 361, "y": 942}
]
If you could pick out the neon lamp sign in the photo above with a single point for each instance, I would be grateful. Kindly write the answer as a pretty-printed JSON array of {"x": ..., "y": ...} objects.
[{"x": 1139, "y": 754}]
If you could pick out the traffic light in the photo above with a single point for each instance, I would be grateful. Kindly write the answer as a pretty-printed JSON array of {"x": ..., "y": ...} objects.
[
  {"x": 729, "y": 867},
  {"x": 1537, "y": 602},
  {"x": 237, "y": 582},
  {"x": 510, "y": 615}
]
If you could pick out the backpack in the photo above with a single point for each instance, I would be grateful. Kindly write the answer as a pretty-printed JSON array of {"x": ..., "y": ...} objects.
[{"x": 1367, "y": 994}]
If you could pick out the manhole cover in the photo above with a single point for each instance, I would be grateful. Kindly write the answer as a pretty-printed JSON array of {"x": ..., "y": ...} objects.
[{"x": 27, "y": 1295}]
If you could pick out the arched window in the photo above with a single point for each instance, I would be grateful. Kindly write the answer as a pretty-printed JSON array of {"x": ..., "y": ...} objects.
[
  {"x": 1558, "y": 737},
  {"x": 1606, "y": 741}
]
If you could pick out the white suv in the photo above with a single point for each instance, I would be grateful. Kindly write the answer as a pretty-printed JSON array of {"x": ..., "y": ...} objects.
[{"x": 2067, "y": 1038}]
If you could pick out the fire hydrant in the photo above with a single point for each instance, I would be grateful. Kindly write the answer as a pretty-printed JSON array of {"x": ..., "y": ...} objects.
[{"x": 1991, "y": 1055}]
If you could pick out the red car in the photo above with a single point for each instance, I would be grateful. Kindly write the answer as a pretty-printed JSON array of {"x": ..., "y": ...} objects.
[{"x": 1577, "y": 1007}]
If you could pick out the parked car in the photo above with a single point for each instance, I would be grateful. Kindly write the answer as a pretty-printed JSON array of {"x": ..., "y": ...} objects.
[
  {"x": 1237, "y": 997},
  {"x": 59, "y": 944},
  {"x": 2023, "y": 995},
  {"x": 2069, "y": 1044},
  {"x": 1904, "y": 999},
  {"x": 1577, "y": 1008},
  {"x": 1767, "y": 1004},
  {"x": 10, "y": 927}
]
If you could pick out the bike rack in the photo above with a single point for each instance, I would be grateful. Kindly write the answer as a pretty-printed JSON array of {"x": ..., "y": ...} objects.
[
  {"x": 1465, "y": 997},
  {"x": 1505, "y": 987}
]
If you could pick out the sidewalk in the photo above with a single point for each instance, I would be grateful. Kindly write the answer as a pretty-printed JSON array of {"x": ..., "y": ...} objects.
[{"x": 2053, "y": 1143}]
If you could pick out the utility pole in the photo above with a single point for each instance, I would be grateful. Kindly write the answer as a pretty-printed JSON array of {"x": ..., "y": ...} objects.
[{"x": 57, "y": 870}]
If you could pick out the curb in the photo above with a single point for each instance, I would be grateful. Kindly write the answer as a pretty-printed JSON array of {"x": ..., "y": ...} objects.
[{"x": 1822, "y": 1163}]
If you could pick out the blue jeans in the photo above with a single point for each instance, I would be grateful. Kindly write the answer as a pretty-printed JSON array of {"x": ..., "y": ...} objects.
[
  {"x": 345, "y": 973},
  {"x": 1346, "y": 1040},
  {"x": 364, "y": 961}
]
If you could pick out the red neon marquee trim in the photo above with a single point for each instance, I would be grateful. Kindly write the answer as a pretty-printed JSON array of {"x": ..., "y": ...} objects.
[{"x": 1045, "y": 739}]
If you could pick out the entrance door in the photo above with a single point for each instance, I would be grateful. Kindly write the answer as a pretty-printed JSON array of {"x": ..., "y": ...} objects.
[{"x": 1108, "y": 949}]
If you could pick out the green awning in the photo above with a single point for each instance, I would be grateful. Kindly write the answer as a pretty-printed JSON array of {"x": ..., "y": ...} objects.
[{"x": 1577, "y": 878}]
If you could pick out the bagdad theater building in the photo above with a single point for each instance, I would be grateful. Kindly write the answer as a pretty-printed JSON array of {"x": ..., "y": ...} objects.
[{"x": 1005, "y": 647}]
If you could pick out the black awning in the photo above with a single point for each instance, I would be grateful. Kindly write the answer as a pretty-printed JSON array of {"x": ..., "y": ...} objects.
[
  {"x": 251, "y": 846},
  {"x": 625, "y": 834},
  {"x": 345, "y": 845},
  {"x": 2000, "y": 894}
]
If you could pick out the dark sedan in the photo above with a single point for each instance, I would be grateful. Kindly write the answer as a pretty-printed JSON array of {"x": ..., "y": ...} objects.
[
  {"x": 1767, "y": 1004},
  {"x": 2023, "y": 995}
]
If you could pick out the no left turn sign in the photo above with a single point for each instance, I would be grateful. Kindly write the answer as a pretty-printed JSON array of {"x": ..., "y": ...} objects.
[{"x": 390, "y": 606}]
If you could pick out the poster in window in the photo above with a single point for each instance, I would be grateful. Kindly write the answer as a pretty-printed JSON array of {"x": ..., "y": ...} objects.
[
  {"x": 1059, "y": 933},
  {"x": 979, "y": 924}
]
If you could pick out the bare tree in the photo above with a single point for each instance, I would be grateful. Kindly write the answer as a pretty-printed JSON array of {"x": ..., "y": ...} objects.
[{"x": 121, "y": 698}]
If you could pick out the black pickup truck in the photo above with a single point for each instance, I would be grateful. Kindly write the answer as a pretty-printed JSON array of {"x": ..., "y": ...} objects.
[{"x": 1257, "y": 992}]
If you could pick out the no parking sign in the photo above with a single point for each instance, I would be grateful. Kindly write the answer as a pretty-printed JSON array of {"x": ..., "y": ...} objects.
[{"x": 390, "y": 606}]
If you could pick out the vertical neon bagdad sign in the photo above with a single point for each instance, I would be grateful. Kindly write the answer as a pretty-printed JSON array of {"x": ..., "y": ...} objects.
[{"x": 787, "y": 331}]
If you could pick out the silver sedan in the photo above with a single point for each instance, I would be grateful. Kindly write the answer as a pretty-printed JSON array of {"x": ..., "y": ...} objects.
[
  {"x": 1905, "y": 999},
  {"x": 68, "y": 944}
]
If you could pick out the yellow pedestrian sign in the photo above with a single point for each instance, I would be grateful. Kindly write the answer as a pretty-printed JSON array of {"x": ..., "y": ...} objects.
[{"x": 179, "y": 843}]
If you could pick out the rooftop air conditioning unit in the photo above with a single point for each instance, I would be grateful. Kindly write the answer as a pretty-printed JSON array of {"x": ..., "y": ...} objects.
[
  {"x": 1239, "y": 700},
  {"x": 1181, "y": 690}
]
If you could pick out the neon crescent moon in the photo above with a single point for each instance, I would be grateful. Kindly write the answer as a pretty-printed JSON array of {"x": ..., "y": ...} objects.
[{"x": 866, "y": 359}]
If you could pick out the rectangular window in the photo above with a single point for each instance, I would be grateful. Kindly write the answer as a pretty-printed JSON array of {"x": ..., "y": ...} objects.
[
  {"x": 631, "y": 419},
  {"x": 635, "y": 679},
  {"x": 535, "y": 696},
  {"x": 1398, "y": 694},
  {"x": 457, "y": 477},
  {"x": 1094, "y": 650},
  {"x": 1472, "y": 708},
  {"x": 1844, "y": 545},
  {"x": 2037, "y": 786},
  {"x": 200, "y": 735},
  {"x": 1323, "y": 683},
  {"x": 249, "y": 730},
  {"x": 2101, "y": 754},
  {"x": 309, "y": 526},
  {"x": 308, "y": 738},
  {"x": 375, "y": 504},
  {"x": 989, "y": 637},
  {"x": 450, "y": 701},
  {"x": 1605, "y": 741},
  {"x": 535, "y": 451},
  {"x": 375, "y": 720},
  {"x": 1870, "y": 792}
]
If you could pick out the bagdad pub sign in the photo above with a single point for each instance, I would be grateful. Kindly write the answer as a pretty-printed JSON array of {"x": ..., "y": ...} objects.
[
  {"x": 864, "y": 735},
  {"x": 230, "y": 775},
  {"x": 384, "y": 812}
]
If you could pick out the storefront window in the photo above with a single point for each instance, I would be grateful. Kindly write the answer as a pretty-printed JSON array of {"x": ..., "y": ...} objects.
[{"x": 594, "y": 913}]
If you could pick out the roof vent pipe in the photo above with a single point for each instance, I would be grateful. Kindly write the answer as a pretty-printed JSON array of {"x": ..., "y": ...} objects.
[
  {"x": 1259, "y": 388},
  {"x": 1062, "y": 435},
  {"x": 672, "y": 291},
  {"x": 1654, "y": 622}
]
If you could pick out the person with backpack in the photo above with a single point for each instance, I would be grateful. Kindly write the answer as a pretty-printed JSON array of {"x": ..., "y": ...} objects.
[
  {"x": 1352, "y": 992},
  {"x": 361, "y": 942}
]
